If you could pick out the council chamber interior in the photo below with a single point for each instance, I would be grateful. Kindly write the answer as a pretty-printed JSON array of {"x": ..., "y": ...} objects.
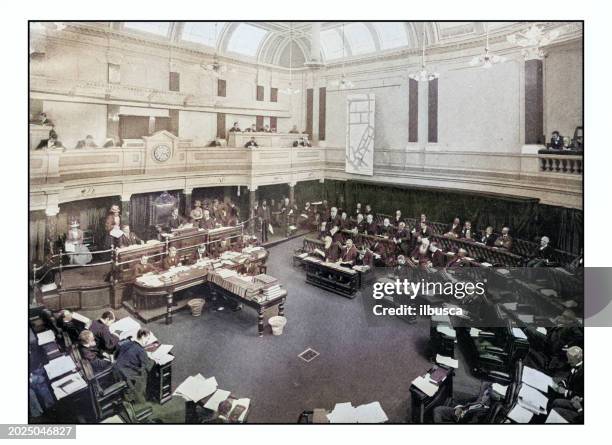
[{"x": 211, "y": 205}]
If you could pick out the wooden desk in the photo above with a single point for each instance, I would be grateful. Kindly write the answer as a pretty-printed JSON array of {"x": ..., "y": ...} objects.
[{"x": 332, "y": 277}]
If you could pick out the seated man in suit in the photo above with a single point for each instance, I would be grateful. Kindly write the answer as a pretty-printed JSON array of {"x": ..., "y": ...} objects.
[
  {"x": 423, "y": 230},
  {"x": 331, "y": 251},
  {"x": 542, "y": 256},
  {"x": 454, "y": 229},
  {"x": 466, "y": 232},
  {"x": 235, "y": 128},
  {"x": 371, "y": 228},
  {"x": 401, "y": 238},
  {"x": 207, "y": 222},
  {"x": 368, "y": 210},
  {"x": 302, "y": 142},
  {"x": 421, "y": 255},
  {"x": 105, "y": 340},
  {"x": 474, "y": 412},
  {"x": 89, "y": 352},
  {"x": 505, "y": 240},
  {"x": 175, "y": 220},
  {"x": 358, "y": 209},
  {"x": 334, "y": 232},
  {"x": 571, "y": 388},
  {"x": 345, "y": 223},
  {"x": 488, "y": 237},
  {"x": 386, "y": 230},
  {"x": 143, "y": 267},
  {"x": 360, "y": 224},
  {"x": 578, "y": 139},
  {"x": 251, "y": 129},
  {"x": 349, "y": 253},
  {"x": 128, "y": 238},
  {"x": 333, "y": 218},
  {"x": 133, "y": 365},
  {"x": 172, "y": 260},
  {"x": 251, "y": 144},
  {"x": 66, "y": 323},
  {"x": 556, "y": 141},
  {"x": 398, "y": 218},
  {"x": 88, "y": 142}
]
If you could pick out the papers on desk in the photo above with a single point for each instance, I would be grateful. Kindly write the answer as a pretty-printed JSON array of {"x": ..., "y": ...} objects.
[
  {"x": 474, "y": 333},
  {"x": 82, "y": 318},
  {"x": 446, "y": 330},
  {"x": 60, "y": 366},
  {"x": 219, "y": 396},
  {"x": 45, "y": 337},
  {"x": 303, "y": 255},
  {"x": 347, "y": 413},
  {"x": 161, "y": 355},
  {"x": 520, "y": 414},
  {"x": 500, "y": 389},
  {"x": 525, "y": 318},
  {"x": 555, "y": 417},
  {"x": 68, "y": 385},
  {"x": 536, "y": 379},
  {"x": 510, "y": 306},
  {"x": 125, "y": 328},
  {"x": 195, "y": 388},
  {"x": 532, "y": 400},
  {"x": 149, "y": 280},
  {"x": 48, "y": 287},
  {"x": 518, "y": 333},
  {"x": 447, "y": 361},
  {"x": 542, "y": 330},
  {"x": 425, "y": 385}
]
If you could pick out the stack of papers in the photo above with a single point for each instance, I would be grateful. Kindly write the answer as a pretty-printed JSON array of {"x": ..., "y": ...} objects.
[
  {"x": 500, "y": 389},
  {"x": 68, "y": 385},
  {"x": 447, "y": 361},
  {"x": 195, "y": 388},
  {"x": 45, "y": 337},
  {"x": 555, "y": 417},
  {"x": 425, "y": 385},
  {"x": 161, "y": 355},
  {"x": 532, "y": 400},
  {"x": 125, "y": 328},
  {"x": 518, "y": 333},
  {"x": 536, "y": 379},
  {"x": 150, "y": 280},
  {"x": 347, "y": 413},
  {"x": 60, "y": 366},
  {"x": 520, "y": 414}
]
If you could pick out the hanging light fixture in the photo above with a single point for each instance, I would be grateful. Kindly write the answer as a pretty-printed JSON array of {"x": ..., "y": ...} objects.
[
  {"x": 488, "y": 59},
  {"x": 344, "y": 83},
  {"x": 215, "y": 68},
  {"x": 532, "y": 41},
  {"x": 289, "y": 90},
  {"x": 423, "y": 75}
]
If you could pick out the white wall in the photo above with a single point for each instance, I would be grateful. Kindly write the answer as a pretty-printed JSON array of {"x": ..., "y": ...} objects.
[
  {"x": 74, "y": 121},
  {"x": 200, "y": 127},
  {"x": 479, "y": 109},
  {"x": 563, "y": 89}
]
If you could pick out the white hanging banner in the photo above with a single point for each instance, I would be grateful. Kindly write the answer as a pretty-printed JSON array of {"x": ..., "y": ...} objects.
[{"x": 360, "y": 134}]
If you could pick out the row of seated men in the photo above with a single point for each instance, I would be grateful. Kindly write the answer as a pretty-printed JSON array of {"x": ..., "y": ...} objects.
[
  {"x": 413, "y": 243},
  {"x": 102, "y": 350},
  {"x": 565, "y": 397}
]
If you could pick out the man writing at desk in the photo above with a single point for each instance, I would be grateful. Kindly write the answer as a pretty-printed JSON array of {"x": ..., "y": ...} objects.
[
  {"x": 133, "y": 365},
  {"x": 105, "y": 340},
  {"x": 90, "y": 352}
]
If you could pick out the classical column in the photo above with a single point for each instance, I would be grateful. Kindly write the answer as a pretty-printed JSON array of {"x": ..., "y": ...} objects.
[
  {"x": 315, "y": 42},
  {"x": 125, "y": 208},
  {"x": 252, "y": 199},
  {"x": 292, "y": 193},
  {"x": 51, "y": 226}
]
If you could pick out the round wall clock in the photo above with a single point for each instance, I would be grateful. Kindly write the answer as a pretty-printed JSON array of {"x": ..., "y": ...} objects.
[{"x": 162, "y": 152}]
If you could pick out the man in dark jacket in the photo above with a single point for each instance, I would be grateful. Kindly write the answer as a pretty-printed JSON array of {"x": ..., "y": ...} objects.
[
  {"x": 105, "y": 340},
  {"x": 133, "y": 364},
  {"x": 542, "y": 255},
  {"x": 90, "y": 352}
]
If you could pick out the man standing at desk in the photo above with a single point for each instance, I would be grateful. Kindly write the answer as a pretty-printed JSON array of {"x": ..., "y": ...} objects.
[
  {"x": 105, "y": 340},
  {"x": 264, "y": 215},
  {"x": 133, "y": 365}
]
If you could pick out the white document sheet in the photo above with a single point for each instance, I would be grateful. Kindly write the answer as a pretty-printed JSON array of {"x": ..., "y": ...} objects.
[
  {"x": 342, "y": 413},
  {"x": 370, "y": 413},
  {"x": 219, "y": 396},
  {"x": 447, "y": 361},
  {"x": 555, "y": 417},
  {"x": 68, "y": 385},
  {"x": 45, "y": 337},
  {"x": 536, "y": 379},
  {"x": 59, "y": 366},
  {"x": 195, "y": 388},
  {"x": 425, "y": 385},
  {"x": 532, "y": 399},
  {"x": 124, "y": 328},
  {"x": 448, "y": 331},
  {"x": 500, "y": 389},
  {"x": 520, "y": 414}
]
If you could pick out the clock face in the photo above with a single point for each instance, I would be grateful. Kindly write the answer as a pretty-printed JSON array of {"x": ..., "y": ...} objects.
[{"x": 162, "y": 152}]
